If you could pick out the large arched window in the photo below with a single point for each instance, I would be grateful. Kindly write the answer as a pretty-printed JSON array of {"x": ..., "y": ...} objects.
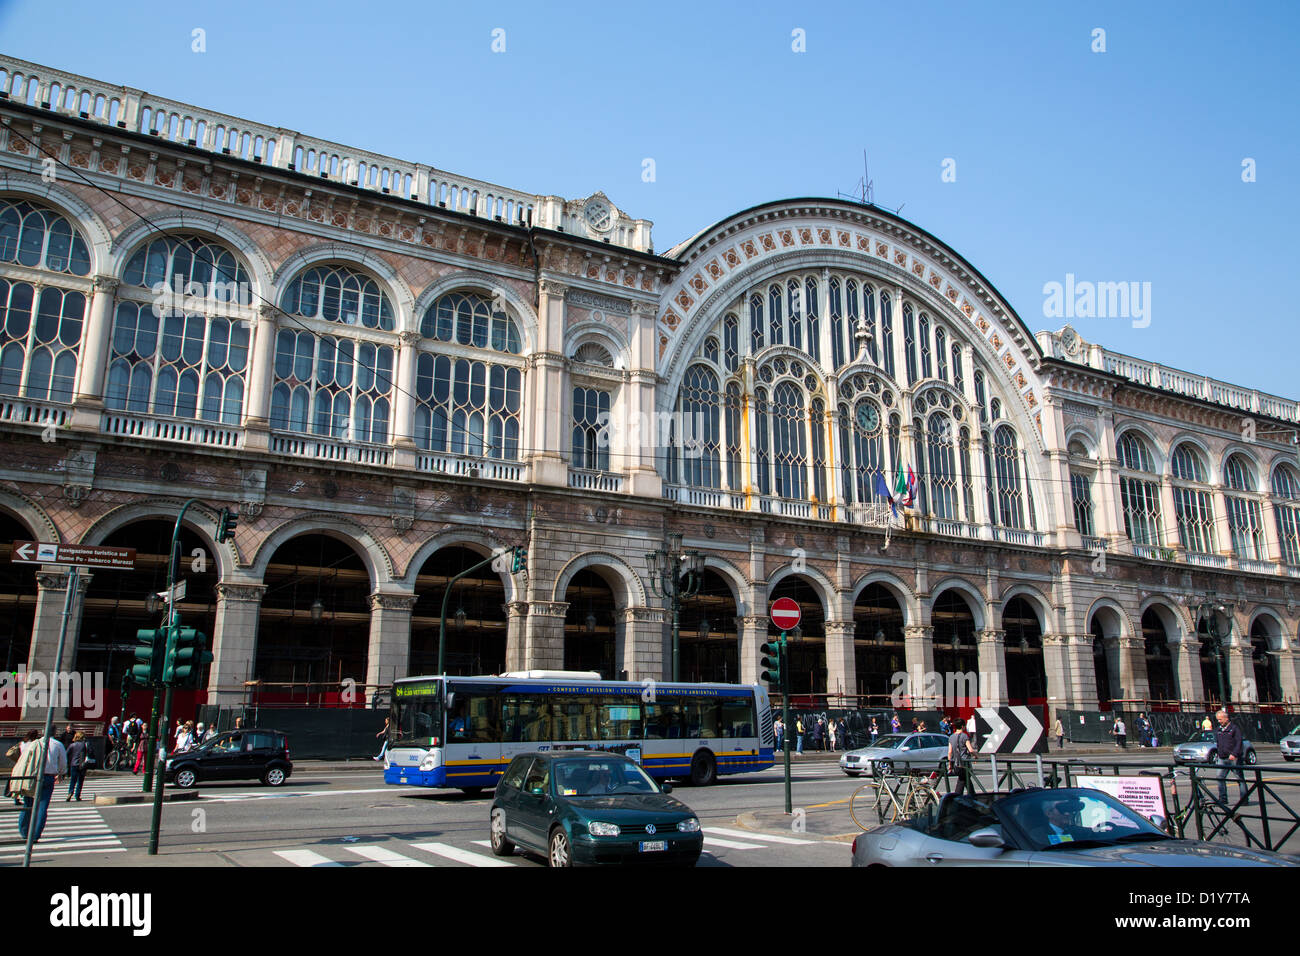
[
  {"x": 40, "y": 321},
  {"x": 941, "y": 478},
  {"x": 1006, "y": 464},
  {"x": 909, "y": 342},
  {"x": 698, "y": 405},
  {"x": 181, "y": 332},
  {"x": 887, "y": 333},
  {"x": 1286, "y": 508},
  {"x": 789, "y": 442},
  {"x": 590, "y": 423},
  {"x": 1193, "y": 499},
  {"x": 923, "y": 325},
  {"x": 1245, "y": 518},
  {"x": 339, "y": 294},
  {"x": 469, "y": 319},
  {"x": 1139, "y": 495},
  {"x": 332, "y": 387}
]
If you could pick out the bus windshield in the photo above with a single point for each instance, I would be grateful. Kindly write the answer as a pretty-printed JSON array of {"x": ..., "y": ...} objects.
[{"x": 417, "y": 721}]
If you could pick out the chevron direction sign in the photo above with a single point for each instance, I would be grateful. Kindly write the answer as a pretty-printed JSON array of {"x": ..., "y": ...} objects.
[{"x": 1009, "y": 730}]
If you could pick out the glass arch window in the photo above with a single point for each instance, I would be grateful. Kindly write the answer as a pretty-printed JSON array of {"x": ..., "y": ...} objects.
[
  {"x": 941, "y": 479},
  {"x": 941, "y": 352},
  {"x": 590, "y": 421},
  {"x": 909, "y": 342},
  {"x": 41, "y": 238},
  {"x": 789, "y": 441},
  {"x": 331, "y": 387},
  {"x": 1133, "y": 453},
  {"x": 887, "y": 334},
  {"x": 1139, "y": 497},
  {"x": 699, "y": 407},
  {"x": 40, "y": 337},
  {"x": 467, "y": 407},
  {"x": 469, "y": 319},
  {"x": 1194, "y": 507},
  {"x": 182, "y": 261},
  {"x": 1286, "y": 509},
  {"x": 1245, "y": 517},
  {"x": 339, "y": 294},
  {"x": 1186, "y": 463},
  {"x": 1239, "y": 474},
  {"x": 1006, "y": 460},
  {"x": 923, "y": 325}
]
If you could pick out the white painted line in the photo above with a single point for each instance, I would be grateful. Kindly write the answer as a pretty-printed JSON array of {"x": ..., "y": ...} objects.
[
  {"x": 39, "y": 854},
  {"x": 387, "y": 857},
  {"x": 305, "y": 858},
  {"x": 759, "y": 836},
  {"x": 459, "y": 855},
  {"x": 731, "y": 845},
  {"x": 280, "y": 796}
]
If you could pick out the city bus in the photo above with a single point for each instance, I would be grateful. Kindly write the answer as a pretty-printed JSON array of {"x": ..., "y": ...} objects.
[{"x": 462, "y": 732}]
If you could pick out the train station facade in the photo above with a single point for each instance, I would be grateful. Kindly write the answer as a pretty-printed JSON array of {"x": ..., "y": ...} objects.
[{"x": 392, "y": 372}]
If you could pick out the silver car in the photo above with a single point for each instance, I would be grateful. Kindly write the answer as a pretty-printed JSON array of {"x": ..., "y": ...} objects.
[
  {"x": 1069, "y": 826},
  {"x": 897, "y": 750},
  {"x": 1291, "y": 745},
  {"x": 1203, "y": 748}
]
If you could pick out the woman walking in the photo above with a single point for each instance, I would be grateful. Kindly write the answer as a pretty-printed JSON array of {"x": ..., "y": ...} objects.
[{"x": 77, "y": 754}]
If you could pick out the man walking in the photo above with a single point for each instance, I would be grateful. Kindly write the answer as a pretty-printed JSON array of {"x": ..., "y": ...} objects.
[
  {"x": 1121, "y": 733},
  {"x": 41, "y": 781},
  {"x": 959, "y": 754},
  {"x": 1227, "y": 741},
  {"x": 1059, "y": 729},
  {"x": 1143, "y": 729}
]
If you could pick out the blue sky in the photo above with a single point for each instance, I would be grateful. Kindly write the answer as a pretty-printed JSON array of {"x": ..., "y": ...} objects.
[{"x": 1117, "y": 166}]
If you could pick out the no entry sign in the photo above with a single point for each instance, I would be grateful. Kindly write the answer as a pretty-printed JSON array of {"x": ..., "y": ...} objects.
[{"x": 786, "y": 614}]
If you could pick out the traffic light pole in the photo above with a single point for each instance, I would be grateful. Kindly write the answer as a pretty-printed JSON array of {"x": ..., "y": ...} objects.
[
  {"x": 446, "y": 596},
  {"x": 156, "y": 823},
  {"x": 785, "y": 717}
]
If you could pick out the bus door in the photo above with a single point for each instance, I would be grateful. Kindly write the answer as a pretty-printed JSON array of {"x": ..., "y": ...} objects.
[{"x": 473, "y": 752}]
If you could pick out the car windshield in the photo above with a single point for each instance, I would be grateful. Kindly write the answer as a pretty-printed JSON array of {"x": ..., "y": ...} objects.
[
  {"x": 1295, "y": 731},
  {"x": 1204, "y": 736},
  {"x": 599, "y": 777},
  {"x": 889, "y": 741},
  {"x": 1074, "y": 820}
]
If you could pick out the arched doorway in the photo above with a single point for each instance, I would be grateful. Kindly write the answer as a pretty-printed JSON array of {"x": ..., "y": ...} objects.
[
  {"x": 1106, "y": 627},
  {"x": 1026, "y": 671},
  {"x": 879, "y": 650},
  {"x": 1100, "y": 664},
  {"x": 589, "y": 625},
  {"x": 1215, "y": 675},
  {"x": 17, "y": 605},
  {"x": 808, "y": 649},
  {"x": 1161, "y": 682},
  {"x": 1268, "y": 681},
  {"x": 314, "y": 627},
  {"x": 956, "y": 653},
  {"x": 709, "y": 637},
  {"x": 476, "y": 616}
]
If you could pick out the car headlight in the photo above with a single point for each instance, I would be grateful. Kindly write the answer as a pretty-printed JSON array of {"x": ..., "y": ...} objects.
[
  {"x": 603, "y": 829},
  {"x": 169, "y": 764},
  {"x": 429, "y": 762},
  {"x": 689, "y": 826}
]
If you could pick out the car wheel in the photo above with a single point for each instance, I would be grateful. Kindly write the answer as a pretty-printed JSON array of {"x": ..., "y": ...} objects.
[
  {"x": 185, "y": 778},
  {"x": 1251, "y": 758},
  {"x": 273, "y": 777},
  {"x": 704, "y": 770},
  {"x": 560, "y": 854},
  {"x": 1287, "y": 759},
  {"x": 501, "y": 845},
  {"x": 854, "y": 773}
]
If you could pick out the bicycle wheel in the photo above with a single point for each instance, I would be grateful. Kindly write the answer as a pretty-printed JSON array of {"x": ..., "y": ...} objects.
[
  {"x": 111, "y": 760},
  {"x": 853, "y": 801}
]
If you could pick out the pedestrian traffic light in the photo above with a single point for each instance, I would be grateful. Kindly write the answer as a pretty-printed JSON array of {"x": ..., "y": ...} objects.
[
  {"x": 226, "y": 523},
  {"x": 126, "y": 685},
  {"x": 521, "y": 560},
  {"x": 772, "y": 663},
  {"x": 185, "y": 657},
  {"x": 147, "y": 669}
]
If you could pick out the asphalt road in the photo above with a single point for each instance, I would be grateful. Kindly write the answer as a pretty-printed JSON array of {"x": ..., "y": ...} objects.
[{"x": 337, "y": 817}]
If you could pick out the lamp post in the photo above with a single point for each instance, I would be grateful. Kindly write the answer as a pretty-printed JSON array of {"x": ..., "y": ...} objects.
[
  {"x": 675, "y": 575},
  {"x": 1210, "y": 609}
]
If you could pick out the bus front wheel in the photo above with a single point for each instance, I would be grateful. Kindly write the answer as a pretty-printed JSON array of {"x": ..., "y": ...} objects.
[
  {"x": 471, "y": 791},
  {"x": 704, "y": 769}
]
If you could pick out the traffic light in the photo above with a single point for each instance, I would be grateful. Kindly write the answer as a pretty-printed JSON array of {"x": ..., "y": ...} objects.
[
  {"x": 772, "y": 654},
  {"x": 521, "y": 560},
  {"x": 147, "y": 669},
  {"x": 226, "y": 524},
  {"x": 185, "y": 657},
  {"x": 126, "y": 685}
]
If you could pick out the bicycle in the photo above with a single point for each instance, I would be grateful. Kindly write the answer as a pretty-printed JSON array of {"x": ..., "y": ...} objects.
[{"x": 1176, "y": 824}]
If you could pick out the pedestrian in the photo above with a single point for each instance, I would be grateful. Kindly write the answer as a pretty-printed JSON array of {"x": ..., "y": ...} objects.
[
  {"x": 819, "y": 735},
  {"x": 1205, "y": 724},
  {"x": 959, "y": 754},
  {"x": 1228, "y": 745},
  {"x": 1143, "y": 730},
  {"x": 38, "y": 782},
  {"x": 140, "y": 747},
  {"x": 1120, "y": 732},
  {"x": 239, "y": 723},
  {"x": 895, "y": 725},
  {"x": 916, "y": 728},
  {"x": 1059, "y": 729},
  {"x": 798, "y": 724},
  {"x": 78, "y": 764},
  {"x": 200, "y": 733},
  {"x": 184, "y": 738},
  {"x": 844, "y": 733},
  {"x": 114, "y": 734},
  {"x": 13, "y": 787},
  {"x": 945, "y": 728},
  {"x": 875, "y": 731},
  {"x": 920, "y": 728},
  {"x": 388, "y": 722},
  {"x": 779, "y": 727}
]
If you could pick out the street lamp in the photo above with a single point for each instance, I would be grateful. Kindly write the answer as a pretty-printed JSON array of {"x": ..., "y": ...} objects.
[
  {"x": 459, "y": 619},
  {"x": 590, "y": 624},
  {"x": 151, "y": 603},
  {"x": 317, "y": 610},
  {"x": 675, "y": 575},
  {"x": 879, "y": 636},
  {"x": 1210, "y": 609},
  {"x": 706, "y": 626}
]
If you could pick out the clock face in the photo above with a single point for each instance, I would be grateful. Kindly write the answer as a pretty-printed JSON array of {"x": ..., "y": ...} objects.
[
  {"x": 597, "y": 214},
  {"x": 868, "y": 417}
]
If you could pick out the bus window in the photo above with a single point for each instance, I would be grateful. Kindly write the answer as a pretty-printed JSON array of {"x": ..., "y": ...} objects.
[
  {"x": 737, "y": 717},
  {"x": 418, "y": 721},
  {"x": 475, "y": 719},
  {"x": 663, "y": 721},
  {"x": 620, "y": 718},
  {"x": 574, "y": 718},
  {"x": 526, "y": 718},
  {"x": 702, "y": 718}
]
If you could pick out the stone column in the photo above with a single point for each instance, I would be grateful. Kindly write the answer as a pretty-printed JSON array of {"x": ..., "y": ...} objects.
[
  {"x": 1169, "y": 516},
  {"x": 234, "y": 641},
  {"x": 516, "y": 634},
  {"x": 545, "y": 429},
  {"x": 261, "y": 364},
  {"x": 841, "y": 667},
  {"x": 1288, "y": 670},
  {"x": 918, "y": 643},
  {"x": 753, "y": 634},
  {"x": 1082, "y": 671},
  {"x": 389, "y": 654},
  {"x": 1131, "y": 654},
  {"x": 402, "y": 426},
  {"x": 1238, "y": 666},
  {"x": 544, "y": 635},
  {"x": 641, "y": 649},
  {"x": 51, "y": 592},
  {"x": 95, "y": 347},
  {"x": 1056, "y": 665},
  {"x": 1186, "y": 662},
  {"x": 993, "y": 667}
]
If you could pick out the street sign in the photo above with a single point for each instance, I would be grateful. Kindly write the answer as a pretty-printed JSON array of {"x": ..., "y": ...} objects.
[
  {"x": 74, "y": 555},
  {"x": 1146, "y": 795},
  {"x": 177, "y": 593},
  {"x": 1009, "y": 730},
  {"x": 786, "y": 614}
]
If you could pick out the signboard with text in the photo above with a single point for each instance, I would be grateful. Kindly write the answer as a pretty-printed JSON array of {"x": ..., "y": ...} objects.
[{"x": 73, "y": 555}]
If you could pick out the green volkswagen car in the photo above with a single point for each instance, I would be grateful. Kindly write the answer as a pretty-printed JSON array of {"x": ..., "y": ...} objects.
[{"x": 588, "y": 806}]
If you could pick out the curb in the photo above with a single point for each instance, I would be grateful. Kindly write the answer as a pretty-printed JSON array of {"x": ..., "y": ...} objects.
[{"x": 171, "y": 796}]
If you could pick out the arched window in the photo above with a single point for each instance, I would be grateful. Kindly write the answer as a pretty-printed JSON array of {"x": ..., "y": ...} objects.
[
  {"x": 338, "y": 294},
  {"x": 756, "y": 323},
  {"x": 335, "y": 388},
  {"x": 869, "y": 314},
  {"x": 41, "y": 238},
  {"x": 1006, "y": 457},
  {"x": 735, "y": 480},
  {"x": 967, "y": 482},
  {"x": 699, "y": 435},
  {"x": 1245, "y": 518},
  {"x": 1139, "y": 496},
  {"x": 942, "y": 477},
  {"x": 467, "y": 407},
  {"x": 812, "y": 321},
  {"x": 789, "y": 443},
  {"x": 1133, "y": 453},
  {"x": 958, "y": 376},
  {"x": 469, "y": 319},
  {"x": 590, "y": 419},
  {"x": 980, "y": 399},
  {"x": 1194, "y": 506},
  {"x": 1286, "y": 506},
  {"x": 909, "y": 342},
  {"x": 730, "y": 342},
  {"x": 182, "y": 262},
  {"x": 774, "y": 315},
  {"x": 924, "y": 325},
  {"x": 838, "y": 338},
  {"x": 1239, "y": 474},
  {"x": 941, "y": 352},
  {"x": 887, "y": 334},
  {"x": 863, "y": 455}
]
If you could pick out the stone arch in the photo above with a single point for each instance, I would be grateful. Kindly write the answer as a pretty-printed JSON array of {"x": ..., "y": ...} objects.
[
  {"x": 1219, "y": 473},
  {"x": 372, "y": 553},
  {"x": 1159, "y": 453},
  {"x": 31, "y": 514},
  {"x": 1115, "y": 612},
  {"x": 200, "y": 518},
  {"x": 394, "y": 285},
  {"x": 1176, "y": 619},
  {"x": 98, "y": 237},
  {"x": 1036, "y": 600},
  {"x": 906, "y": 597},
  {"x": 589, "y": 331},
  {"x": 742, "y": 590},
  {"x": 128, "y": 241},
  {"x": 1199, "y": 443},
  {"x": 1085, "y": 436},
  {"x": 487, "y": 285},
  {"x": 831, "y": 604},
  {"x": 468, "y": 538},
  {"x": 629, "y": 591},
  {"x": 974, "y": 599},
  {"x": 1274, "y": 625}
]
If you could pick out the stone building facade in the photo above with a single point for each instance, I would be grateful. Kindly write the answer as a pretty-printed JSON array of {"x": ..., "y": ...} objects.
[{"x": 391, "y": 371}]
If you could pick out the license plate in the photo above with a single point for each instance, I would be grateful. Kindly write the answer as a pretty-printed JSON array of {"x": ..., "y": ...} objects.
[{"x": 650, "y": 846}]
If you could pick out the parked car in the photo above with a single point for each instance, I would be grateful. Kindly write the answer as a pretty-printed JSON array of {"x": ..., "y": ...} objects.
[
  {"x": 897, "y": 750},
  {"x": 255, "y": 754},
  {"x": 1202, "y": 748},
  {"x": 1291, "y": 744},
  {"x": 590, "y": 807},
  {"x": 1068, "y": 826}
]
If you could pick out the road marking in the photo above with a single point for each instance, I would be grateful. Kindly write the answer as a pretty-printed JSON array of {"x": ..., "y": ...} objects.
[
  {"x": 731, "y": 845},
  {"x": 459, "y": 855},
  {"x": 283, "y": 796},
  {"x": 305, "y": 858},
  {"x": 385, "y": 856},
  {"x": 758, "y": 836}
]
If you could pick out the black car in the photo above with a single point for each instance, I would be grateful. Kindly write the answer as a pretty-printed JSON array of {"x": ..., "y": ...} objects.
[
  {"x": 590, "y": 807},
  {"x": 238, "y": 755}
]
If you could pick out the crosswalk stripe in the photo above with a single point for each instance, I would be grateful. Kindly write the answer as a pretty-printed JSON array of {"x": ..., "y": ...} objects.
[
  {"x": 385, "y": 856},
  {"x": 305, "y": 858},
  {"x": 758, "y": 836},
  {"x": 459, "y": 855},
  {"x": 732, "y": 845},
  {"x": 45, "y": 854}
]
